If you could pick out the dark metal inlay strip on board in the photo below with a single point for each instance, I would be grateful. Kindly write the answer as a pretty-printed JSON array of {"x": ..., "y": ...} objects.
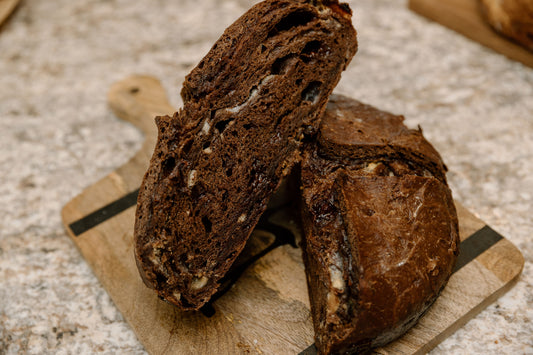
[
  {"x": 475, "y": 245},
  {"x": 103, "y": 214}
]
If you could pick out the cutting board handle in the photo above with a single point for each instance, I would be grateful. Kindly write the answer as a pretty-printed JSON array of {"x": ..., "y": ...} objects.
[{"x": 139, "y": 99}]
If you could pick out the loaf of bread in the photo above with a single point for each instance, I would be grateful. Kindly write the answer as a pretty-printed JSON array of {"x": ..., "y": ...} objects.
[
  {"x": 512, "y": 18},
  {"x": 248, "y": 105},
  {"x": 380, "y": 227}
]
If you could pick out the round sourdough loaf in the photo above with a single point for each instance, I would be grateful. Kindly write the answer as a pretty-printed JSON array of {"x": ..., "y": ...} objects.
[{"x": 380, "y": 227}]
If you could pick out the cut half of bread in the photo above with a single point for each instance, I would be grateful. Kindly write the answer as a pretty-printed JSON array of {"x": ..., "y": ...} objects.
[{"x": 248, "y": 105}]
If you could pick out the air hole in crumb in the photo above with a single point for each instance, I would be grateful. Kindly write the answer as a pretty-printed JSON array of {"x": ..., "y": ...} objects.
[
  {"x": 207, "y": 224},
  {"x": 221, "y": 125},
  {"x": 183, "y": 259},
  {"x": 281, "y": 65},
  {"x": 187, "y": 146},
  {"x": 263, "y": 48},
  {"x": 298, "y": 82},
  {"x": 312, "y": 47},
  {"x": 134, "y": 90},
  {"x": 167, "y": 166},
  {"x": 248, "y": 126},
  {"x": 311, "y": 92},
  {"x": 297, "y": 18},
  {"x": 197, "y": 191},
  {"x": 229, "y": 172},
  {"x": 160, "y": 279}
]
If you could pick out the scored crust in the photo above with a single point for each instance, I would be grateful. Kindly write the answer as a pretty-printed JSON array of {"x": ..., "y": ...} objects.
[
  {"x": 248, "y": 105},
  {"x": 380, "y": 227}
]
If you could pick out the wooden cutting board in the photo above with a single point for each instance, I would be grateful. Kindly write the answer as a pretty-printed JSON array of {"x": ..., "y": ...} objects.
[
  {"x": 464, "y": 16},
  {"x": 263, "y": 307}
]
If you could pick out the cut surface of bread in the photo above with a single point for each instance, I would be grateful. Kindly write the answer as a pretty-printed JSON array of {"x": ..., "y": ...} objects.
[
  {"x": 248, "y": 105},
  {"x": 380, "y": 227}
]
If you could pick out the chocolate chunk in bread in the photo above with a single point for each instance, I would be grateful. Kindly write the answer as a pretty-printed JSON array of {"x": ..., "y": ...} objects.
[
  {"x": 511, "y": 18},
  {"x": 380, "y": 227},
  {"x": 248, "y": 105}
]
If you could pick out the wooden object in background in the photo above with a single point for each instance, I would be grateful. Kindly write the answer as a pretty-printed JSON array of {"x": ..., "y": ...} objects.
[
  {"x": 6, "y": 8},
  {"x": 464, "y": 16},
  {"x": 267, "y": 310}
]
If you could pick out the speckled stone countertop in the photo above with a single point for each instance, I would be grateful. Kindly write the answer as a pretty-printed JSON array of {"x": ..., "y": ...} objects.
[{"x": 57, "y": 61}]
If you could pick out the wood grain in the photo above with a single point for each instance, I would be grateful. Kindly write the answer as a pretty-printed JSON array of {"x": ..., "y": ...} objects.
[
  {"x": 464, "y": 17},
  {"x": 267, "y": 310},
  {"x": 6, "y": 8}
]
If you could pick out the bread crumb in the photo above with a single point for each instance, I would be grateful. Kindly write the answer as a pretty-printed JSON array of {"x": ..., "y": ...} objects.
[
  {"x": 371, "y": 167},
  {"x": 206, "y": 127},
  {"x": 198, "y": 283},
  {"x": 192, "y": 178},
  {"x": 242, "y": 218},
  {"x": 336, "y": 272},
  {"x": 333, "y": 303}
]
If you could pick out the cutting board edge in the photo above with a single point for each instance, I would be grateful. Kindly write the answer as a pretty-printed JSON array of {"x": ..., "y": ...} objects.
[{"x": 459, "y": 323}]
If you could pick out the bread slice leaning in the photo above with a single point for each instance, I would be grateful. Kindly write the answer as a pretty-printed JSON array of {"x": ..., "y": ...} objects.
[
  {"x": 248, "y": 105},
  {"x": 380, "y": 227}
]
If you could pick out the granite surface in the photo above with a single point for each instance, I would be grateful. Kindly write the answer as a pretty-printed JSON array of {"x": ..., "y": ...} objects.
[{"x": 57, "y": 135}]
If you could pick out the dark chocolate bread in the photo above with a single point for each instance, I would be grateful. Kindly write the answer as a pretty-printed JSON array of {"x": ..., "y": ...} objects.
[
  {"x": 249, "y": 103},
  {"x": 380, "y": 227}
]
